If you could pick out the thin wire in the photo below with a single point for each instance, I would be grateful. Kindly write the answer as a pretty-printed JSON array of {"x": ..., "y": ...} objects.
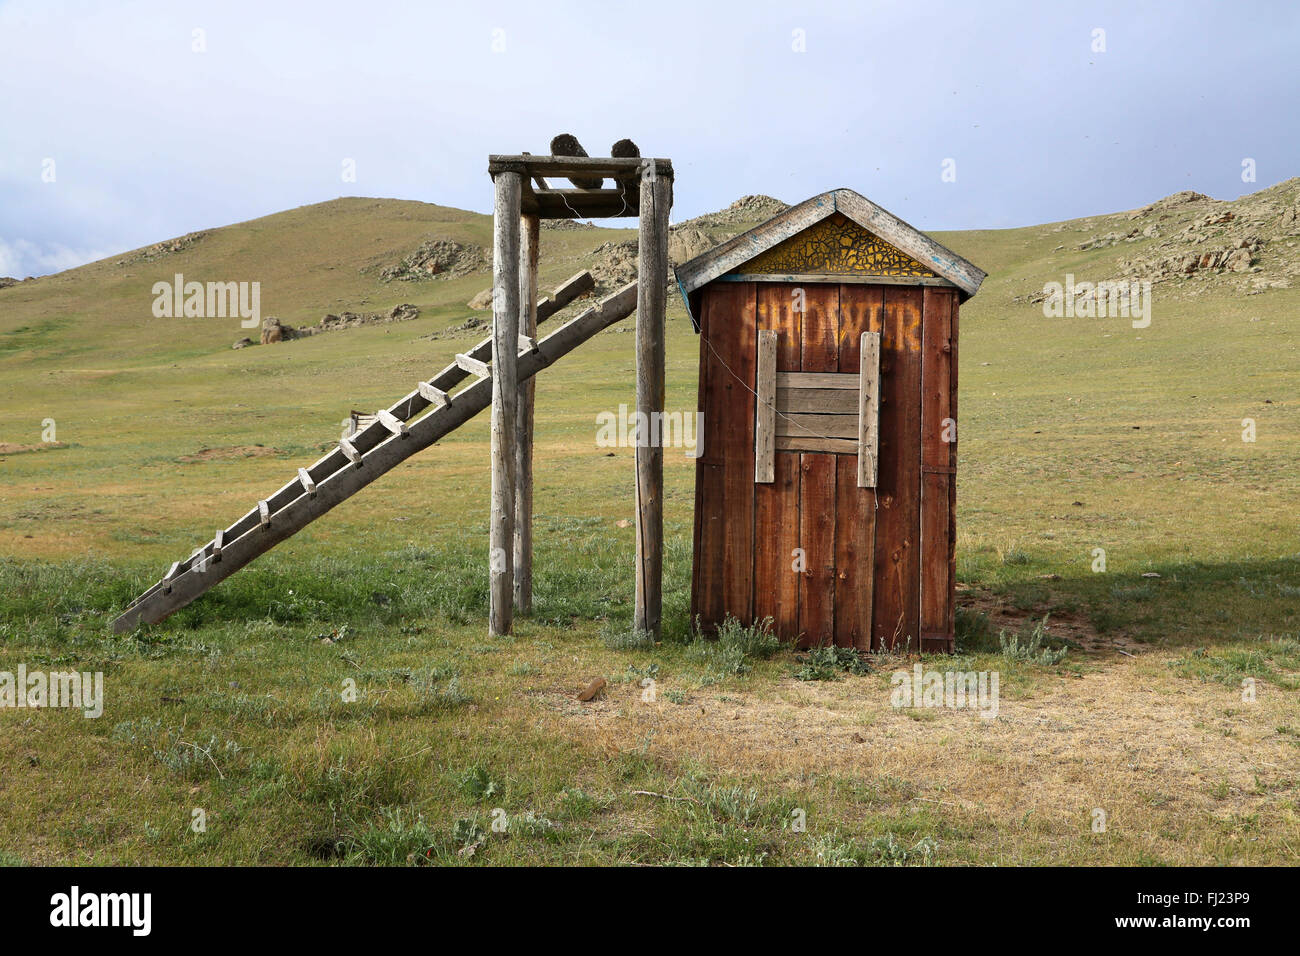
[{"x": 622, "y": 198}]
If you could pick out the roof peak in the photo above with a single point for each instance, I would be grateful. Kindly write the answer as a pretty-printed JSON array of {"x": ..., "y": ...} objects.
[{"x": 907, "y": 239}]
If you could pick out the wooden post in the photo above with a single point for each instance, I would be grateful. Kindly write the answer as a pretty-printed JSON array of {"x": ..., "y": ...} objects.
[
  {"x": 505, "y": 396},
  {"x": 765, "y": 408},
  {"x": 868, "y": 409},
  {"x": 652, "y": 273},
  {"x": 529, "y": 239}
]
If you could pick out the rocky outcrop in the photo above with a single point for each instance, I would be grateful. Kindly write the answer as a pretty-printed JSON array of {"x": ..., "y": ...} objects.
[
  {"x": 273, "y": 330},
  {"x": 438, "y": 259},
  {"x": 687, "y": 242},
  {"x": 160, "y": 250},
  {"x": 741, "y": 214},
  {"x": 351, "y": 320},
  {"x": 1188, "y": 240},
  {"x": 613, "y": 265}
]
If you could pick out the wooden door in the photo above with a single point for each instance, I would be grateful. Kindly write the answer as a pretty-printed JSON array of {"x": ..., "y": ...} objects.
[{"x": 829, "y": 562}]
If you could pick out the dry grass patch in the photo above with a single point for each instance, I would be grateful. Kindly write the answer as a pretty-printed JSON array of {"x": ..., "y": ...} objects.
[{"x": 1184, "y": 772}]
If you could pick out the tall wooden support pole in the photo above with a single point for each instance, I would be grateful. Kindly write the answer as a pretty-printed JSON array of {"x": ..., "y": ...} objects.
[
  {"x": 529, "y": 239},
  {"x": 505, "y": 397},
  {"x": 652, "y": 273}
]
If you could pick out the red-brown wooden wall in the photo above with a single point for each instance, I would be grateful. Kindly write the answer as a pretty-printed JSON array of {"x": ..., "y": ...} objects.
[{"x": 879, "y": 565}]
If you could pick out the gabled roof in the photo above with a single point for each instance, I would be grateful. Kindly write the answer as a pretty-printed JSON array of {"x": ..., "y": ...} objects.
[{"x": 704, "y": 268}]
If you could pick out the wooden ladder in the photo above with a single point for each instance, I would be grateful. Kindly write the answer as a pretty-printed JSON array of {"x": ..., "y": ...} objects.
[{"x": 396, "y": 434}]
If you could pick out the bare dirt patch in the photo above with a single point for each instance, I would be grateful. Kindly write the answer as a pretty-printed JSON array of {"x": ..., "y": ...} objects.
[
  {"x": 230, "y": 451},
  {"x": 1074, "y": 627},
  {"x": 9, "y": 448}
]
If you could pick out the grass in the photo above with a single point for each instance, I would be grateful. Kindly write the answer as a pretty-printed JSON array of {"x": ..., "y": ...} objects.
[{"x": 339, "y": 703}]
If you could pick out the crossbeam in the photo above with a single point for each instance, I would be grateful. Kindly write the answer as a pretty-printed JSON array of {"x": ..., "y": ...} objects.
[{"x": 611, "y": 167}]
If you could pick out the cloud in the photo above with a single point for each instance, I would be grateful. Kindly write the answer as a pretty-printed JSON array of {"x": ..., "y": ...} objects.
[{"x": 21, "y": 258}]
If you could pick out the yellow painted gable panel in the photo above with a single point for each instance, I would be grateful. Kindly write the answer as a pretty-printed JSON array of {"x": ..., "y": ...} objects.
[{"x": 834, "y": 246}]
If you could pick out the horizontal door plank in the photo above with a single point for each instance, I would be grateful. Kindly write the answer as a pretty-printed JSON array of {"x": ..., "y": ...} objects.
[
  {"x": 827, "y": 401},
  {"x": 837, "y": 445},
  {"x": 816, "y": 380},
  {"x": 817, "y": 426}
]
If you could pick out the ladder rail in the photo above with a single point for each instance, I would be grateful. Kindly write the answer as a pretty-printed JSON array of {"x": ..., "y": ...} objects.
[
  {"x": 404, "y": 409},
  {"x": 189, "y": 580}
]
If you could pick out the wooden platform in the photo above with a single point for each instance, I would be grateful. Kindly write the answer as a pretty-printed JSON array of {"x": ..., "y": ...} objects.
[{"x": 618, "y": 197}]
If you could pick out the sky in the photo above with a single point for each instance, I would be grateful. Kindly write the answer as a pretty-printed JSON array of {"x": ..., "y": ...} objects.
[{"x": 122, "y": 124}]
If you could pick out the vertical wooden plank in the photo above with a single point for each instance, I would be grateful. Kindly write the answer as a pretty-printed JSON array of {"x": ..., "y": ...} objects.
[
  {"x": 935, "y": 588},
  {"x": 855, "y": 528},
  {"x": 817, "y": 521},
  {"x": 818, "y": 352},
  {"x": 652, "y": 267},
  {"x": 819, "y": 345},
  {"x": 936, "y": 370},
  {"x": 505, "y": 396},
  {"x": 855, "y": 506},
  {"x": 765, "y": 407},
  {"x": 896, "y": 614},
  {"x": 529, "y": 239},
  {"x": 697, "y": 540},
  {"x": 936, "y": 429},
  {"x": 775, "y": 305},
  {"x": 725, "y": 474},
  {"x": 776, "y": 536},
  {"x": 736, "y": 341},
  {"x": 952, "y": 482},
  {"x": 776, "y": 505},
  {"x": 706, "y": 595},
  {"x": 868, "y": 408},
  {"x": 706, "y": 570}
]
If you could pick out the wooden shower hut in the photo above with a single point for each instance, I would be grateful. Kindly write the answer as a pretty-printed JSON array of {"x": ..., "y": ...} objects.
[{"x": 825, "y": 493}]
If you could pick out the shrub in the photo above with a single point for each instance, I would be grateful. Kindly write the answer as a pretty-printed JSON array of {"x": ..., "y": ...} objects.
[
  {"x": 476, "y": 784},
  {"x": 831, "y": 663},
  {"x": 622, "y": 637},
  {"x": 735, "y": 646},
  {"x": 1022, "y": 647},
  {"x": 394, "y": 841},
  {"x": 974, "y": 631}
]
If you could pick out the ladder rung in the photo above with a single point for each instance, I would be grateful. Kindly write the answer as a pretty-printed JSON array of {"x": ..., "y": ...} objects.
[
  {"x": 527, "y": 343},
  {"x": 308, "y": 485},
  {"x": 167, "y": 578},
  {"x": 350, "y": 452},
  {"x": 264, "y": 514},
  {"x": 218, "y": 540},
  {"x": 434, "y": 396},
  {"x": 392, "y": 423},
  {"x": 473, "y": 366}
]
